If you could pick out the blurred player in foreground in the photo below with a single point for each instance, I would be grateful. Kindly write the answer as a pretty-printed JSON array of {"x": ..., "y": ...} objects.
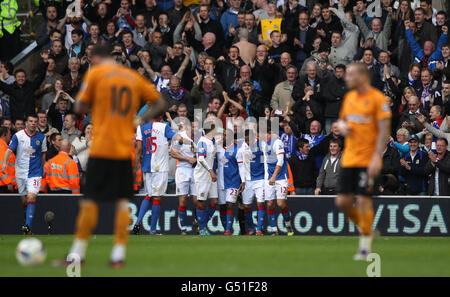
[
  {"x": 365, "y": 121},
  {"x": 114, "y": 94}
]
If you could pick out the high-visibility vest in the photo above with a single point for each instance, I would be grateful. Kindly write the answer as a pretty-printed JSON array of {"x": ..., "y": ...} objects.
[
  {"x": 8, "y": 16},
  {"x": 61, "y": 174},
  {"x": 291, "y": 187},
  {"x": 10, "y": 176}
]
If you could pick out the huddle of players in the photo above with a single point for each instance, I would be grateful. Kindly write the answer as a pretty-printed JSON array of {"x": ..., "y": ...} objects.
[{"x": 215, "y": 166}]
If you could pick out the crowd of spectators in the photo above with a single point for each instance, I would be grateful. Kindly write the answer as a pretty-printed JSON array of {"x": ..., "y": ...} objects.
[{"x": 243, "y": 58}]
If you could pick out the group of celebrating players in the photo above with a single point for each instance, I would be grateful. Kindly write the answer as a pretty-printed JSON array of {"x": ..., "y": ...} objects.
[{"x": 218, "y": 165}]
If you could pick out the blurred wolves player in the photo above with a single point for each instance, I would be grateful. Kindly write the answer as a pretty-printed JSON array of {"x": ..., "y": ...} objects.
[
  {"x": 231, "y": 177},
  {"x": 205, "y": 176},
  {"x": 184, "y": 174},
  {"x": 153, "y": 145},
  {"x": 251, "y": 170},
  {"x": 30, "y": 147},
  {"x": 276, "y": 179},
  {"x": 365, "y": 121},
  {"x": 114, "y": 94}
]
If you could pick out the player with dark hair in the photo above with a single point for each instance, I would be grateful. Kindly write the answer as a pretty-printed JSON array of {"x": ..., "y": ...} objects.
[
  {"x": 365, "y": 121},
  {"x": 30, "y": 147},
  {"x": 114, "y": 94},
  {"x": 276, "y": 179}
]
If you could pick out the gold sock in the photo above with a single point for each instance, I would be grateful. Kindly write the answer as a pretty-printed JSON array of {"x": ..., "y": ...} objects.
[
  {"x": 121, "y": 224},
  {"x": 86, "y": 221}
]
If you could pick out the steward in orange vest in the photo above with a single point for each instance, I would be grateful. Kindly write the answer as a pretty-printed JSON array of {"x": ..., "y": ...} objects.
[
  {"x": 61, "y": 174},
  {"x": 7, "y": 180}
]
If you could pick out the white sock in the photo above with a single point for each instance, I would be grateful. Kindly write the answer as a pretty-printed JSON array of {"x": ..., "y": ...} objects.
[
  {"x": 118, "y": 252},
  {"x": 79, "y": 247},
  {"x": 365, "y": 242}
]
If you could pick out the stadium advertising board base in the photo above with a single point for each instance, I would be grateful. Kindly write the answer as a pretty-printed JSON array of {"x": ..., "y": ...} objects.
[{"x": 310, "y": 216}]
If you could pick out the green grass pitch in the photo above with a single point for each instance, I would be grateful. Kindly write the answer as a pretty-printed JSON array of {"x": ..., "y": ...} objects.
[{"x": 239, "y": 256}]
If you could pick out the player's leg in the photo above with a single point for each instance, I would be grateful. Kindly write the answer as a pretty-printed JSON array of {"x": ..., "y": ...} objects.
[
  {"x": 247, "y": 200},
  {"x": 182, "y": 215},
  {"x": 202, "y": 194},
  {"x": 365, "y": 208},
  {"x": 183, "y": 184},
  {"x": 231, "y": 195},
  {"x": 270, "y": 193},
  {"x": 85, "y": 224},
  {"x": 213, "y": 196},
  {"x": 33, "y": 186},
  {"x": 122, "y": 220},
  {"x": 347, "y": 187},
  {"x": 223, "y": 208},
  {"x": 146, "y": 202},
  {"x": 159, "y": 188},
  {"x": 260, "y": 198},
  {"x": 345, "y": 202},
  {"x": 281, "y": 188}
]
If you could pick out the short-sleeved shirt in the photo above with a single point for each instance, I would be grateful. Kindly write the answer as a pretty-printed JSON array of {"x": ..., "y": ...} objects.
[
  {"x": 114, "y": 94},
  {"x": 28, "y": 150},
  {"x": 155, "y": 138},
  {"x": 362, "y": 112}
]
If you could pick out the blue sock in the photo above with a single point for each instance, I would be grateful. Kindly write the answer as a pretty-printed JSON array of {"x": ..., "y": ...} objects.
[
  {"x": 229, "y": 217},
  {"x": 272, "y": 218},
  {"x": 201, "y": 218},
  {"x": 223, "y": 220},
  {"x": 145, "y": 204},
  {"x": 249, "y": 219},
  {"x": 30, "y": 214},
  {"x": 182, "y": 216},
  {"x": 210, "y": 212},
  {"x": 287, "y": 216},
  {"x": 155, "y": 214},
  {"x": 261, "y": 215}
]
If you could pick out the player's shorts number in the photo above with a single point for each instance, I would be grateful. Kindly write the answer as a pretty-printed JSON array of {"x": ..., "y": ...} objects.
[{"x": 117, "y": 97}]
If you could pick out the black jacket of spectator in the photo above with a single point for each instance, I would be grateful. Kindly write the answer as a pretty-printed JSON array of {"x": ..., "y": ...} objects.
[
  {"x": 333, "y": 93},
  {"x": 334, "y": 25},
  {"x": 294, "y": 32},
  {"x": 407, "y": 117},
  {"x": 426, "y": 32},
  {"x": 304, "y": 172},
  {"x": 148, "y": 14},
  {"x": 266, "y": 75},
  {"x": 214, "y": 51},
  {"x": 55, "y": 117},
  {"x": 23, "y": 99},
  {"x": 299, "y": 89},
  {"x": 175, "y": 15},
  {"x": 391, "y": 161},
  {"x": 300, "y": 117},
  {"x": 415, "y": 179},
  {"x": 257, "y": 105},
  {"x": 227, "y": 72},
  {"x": 444, "y": 175},
  {"x": 215, "y": 27}
]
